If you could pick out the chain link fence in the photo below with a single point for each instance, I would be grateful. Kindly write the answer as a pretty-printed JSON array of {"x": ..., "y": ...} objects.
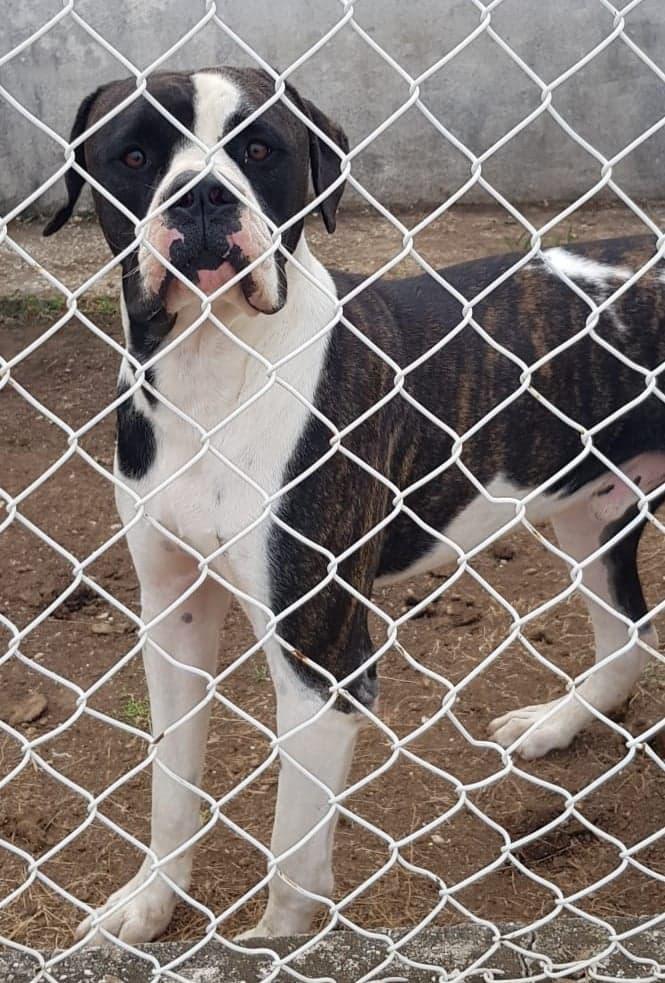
[{"x": 28, "y": 752}]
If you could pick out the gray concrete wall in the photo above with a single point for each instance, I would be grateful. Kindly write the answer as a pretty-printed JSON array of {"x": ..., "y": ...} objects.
[{"x": 479, "y": 95}]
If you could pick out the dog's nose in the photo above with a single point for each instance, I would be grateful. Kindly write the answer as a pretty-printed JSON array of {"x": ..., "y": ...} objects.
[{"x": 206, "y": 196}]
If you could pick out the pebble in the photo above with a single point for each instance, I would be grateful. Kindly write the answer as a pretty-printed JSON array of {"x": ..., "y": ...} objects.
[
  {"x": 28, "y": 709},
  {"x": 411, "y": 600},
  {"x": 102, "y": 628},
  {"x": 463, "y": 613},
  {"x": 502, "y": 551}
]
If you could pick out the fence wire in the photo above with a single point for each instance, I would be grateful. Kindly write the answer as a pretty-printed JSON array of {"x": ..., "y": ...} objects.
[{"x": 397, "y": 962}]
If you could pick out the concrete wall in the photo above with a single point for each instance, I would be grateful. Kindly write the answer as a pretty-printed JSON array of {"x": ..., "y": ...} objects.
[{"x": 479, "y": 95}]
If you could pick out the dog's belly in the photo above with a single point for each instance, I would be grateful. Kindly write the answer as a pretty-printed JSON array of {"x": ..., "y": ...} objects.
[
  {"x": 469, "y": 527},
  {"x": 607, "y": 498}
]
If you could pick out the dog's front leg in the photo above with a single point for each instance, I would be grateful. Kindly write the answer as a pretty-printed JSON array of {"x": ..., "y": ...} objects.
[
  {"x": 315, "y": 763},
  {"x": 142, "y": 909}
]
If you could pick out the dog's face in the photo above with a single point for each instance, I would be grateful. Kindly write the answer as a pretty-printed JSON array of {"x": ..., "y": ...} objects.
[{"x": 205, "y": 209}]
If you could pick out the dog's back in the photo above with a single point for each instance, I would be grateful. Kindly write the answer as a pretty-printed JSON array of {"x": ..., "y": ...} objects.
[{"x": 529, "y": 346}]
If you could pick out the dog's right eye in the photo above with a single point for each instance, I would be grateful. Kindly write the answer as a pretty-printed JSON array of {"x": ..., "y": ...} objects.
[{"x": 134, "y": 158}]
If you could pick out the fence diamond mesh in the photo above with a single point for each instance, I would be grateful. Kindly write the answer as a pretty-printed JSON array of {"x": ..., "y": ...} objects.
[{"x": 512, "y": 851}]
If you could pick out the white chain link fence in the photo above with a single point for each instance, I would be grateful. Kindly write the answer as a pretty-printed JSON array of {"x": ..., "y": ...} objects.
[{"x": 397, "y": 963}]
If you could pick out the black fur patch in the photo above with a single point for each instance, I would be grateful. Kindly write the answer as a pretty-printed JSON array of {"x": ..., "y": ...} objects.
[
  {"x": 136, "y": 446},
  {"x": 149, "y": 322},
  {"x": 621, "y": 564}
]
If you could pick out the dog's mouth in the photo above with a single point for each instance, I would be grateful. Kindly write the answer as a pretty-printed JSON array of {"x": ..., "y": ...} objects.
[
  {"x": 236, "y": 256},
  {"x": 210, "y": 269}
]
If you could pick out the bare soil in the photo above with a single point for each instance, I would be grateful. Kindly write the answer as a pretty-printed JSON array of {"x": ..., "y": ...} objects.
[{"x": 73, "y": 644}]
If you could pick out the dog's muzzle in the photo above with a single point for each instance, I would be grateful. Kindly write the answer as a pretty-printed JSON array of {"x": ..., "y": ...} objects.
[{"x": 210, "y": 236}]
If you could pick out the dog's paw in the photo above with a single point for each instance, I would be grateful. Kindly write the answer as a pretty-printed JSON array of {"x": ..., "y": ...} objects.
[
  {"x": 265, "y": 929},
  {"x": 258, "y": 932},
  {"x": 140, "y": 919},
  {"x": 553, "y": 733},
  {"x": 276, "y": 924}
]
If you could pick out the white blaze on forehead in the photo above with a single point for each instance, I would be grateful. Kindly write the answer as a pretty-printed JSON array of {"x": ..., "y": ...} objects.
[
  {"x": 577, "y": 267},
  {"x": 216, "y": 99}
]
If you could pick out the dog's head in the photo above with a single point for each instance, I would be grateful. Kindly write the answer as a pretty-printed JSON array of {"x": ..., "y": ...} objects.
[{"x": 212, "y": 227}]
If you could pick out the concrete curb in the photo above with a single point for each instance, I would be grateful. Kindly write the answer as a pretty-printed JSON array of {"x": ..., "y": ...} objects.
[{"x": 565, "y": 948}]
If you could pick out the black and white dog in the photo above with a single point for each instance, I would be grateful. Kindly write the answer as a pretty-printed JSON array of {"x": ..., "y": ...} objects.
[{"x": 303, "y": 511}]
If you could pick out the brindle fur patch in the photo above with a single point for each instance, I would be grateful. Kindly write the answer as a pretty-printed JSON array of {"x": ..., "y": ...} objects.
[{"x": 530, "y": 314}]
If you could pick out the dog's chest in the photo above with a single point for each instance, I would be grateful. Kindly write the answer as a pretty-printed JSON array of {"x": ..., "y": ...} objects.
[{"x": 223, "y": 454}]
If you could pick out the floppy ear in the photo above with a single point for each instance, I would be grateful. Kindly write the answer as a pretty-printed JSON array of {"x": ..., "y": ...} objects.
[
  {"x": 73, "y": 180},
  {"x": 325, "y": 163}
]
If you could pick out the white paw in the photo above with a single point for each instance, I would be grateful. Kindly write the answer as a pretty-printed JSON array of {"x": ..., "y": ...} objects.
[
  {"x": 555, "y": 732},
  {"x": 258, "y": 932},
  {"x": 141, "y": 919},
  {"x": 269, "y": 930},
  {"x": 275, "y": 924}
]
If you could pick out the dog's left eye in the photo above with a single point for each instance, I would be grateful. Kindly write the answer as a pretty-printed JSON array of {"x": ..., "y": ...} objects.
[
  {"x": 134, "y": 158},
  {"x": 257, "y": 151}
]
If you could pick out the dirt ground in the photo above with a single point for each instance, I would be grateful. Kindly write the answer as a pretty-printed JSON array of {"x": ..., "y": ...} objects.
[{"x": 73, "y": 373}]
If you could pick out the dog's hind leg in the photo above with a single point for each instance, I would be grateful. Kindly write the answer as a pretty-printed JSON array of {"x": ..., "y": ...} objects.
[
  {"x": 614, "y": 579},
  {"x": 315, "y": 762}
]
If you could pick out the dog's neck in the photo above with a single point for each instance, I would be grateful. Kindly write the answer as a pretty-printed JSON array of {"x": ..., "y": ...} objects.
[
  {"x": 309, "y": 306},
  {"x": 236, "y": 357}
]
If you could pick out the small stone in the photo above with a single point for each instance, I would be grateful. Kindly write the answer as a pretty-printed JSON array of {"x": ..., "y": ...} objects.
[
  {"x": 29, "y": 709},
  {"x": 502, "y": 550},
  {"x": 541, "y": 635},
  {"x": 102, "y": 628},
  {"x": 411, "y": 600},
  {"x": 463, "y": 613}
]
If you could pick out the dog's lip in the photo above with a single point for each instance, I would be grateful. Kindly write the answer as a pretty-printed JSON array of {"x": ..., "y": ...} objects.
[
  {"x": 202, "y": 261},
  {"x": 232, "y": 258},
  {"x": 210, "y": 280},
  {"x": 210, "y": 270}
]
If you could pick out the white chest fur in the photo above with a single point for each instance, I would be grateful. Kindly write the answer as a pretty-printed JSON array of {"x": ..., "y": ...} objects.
[{"x": 221, "y": 452}]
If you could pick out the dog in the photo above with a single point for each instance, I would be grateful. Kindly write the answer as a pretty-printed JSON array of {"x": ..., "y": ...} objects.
[{"x": 272, "y": 441}]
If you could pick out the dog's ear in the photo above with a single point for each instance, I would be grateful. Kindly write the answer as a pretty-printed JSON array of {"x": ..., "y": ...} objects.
[
  {"x": 73, "y": 180},
  {"x": 325, "y": 163}
]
